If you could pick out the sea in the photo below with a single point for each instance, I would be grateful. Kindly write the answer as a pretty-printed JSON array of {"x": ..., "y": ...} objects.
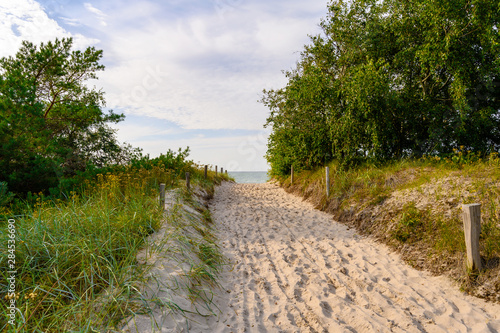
[{"x": 249, "y": 176}]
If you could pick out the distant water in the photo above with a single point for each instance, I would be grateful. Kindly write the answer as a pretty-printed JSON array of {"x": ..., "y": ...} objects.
[{"x": 249, "y": 176}]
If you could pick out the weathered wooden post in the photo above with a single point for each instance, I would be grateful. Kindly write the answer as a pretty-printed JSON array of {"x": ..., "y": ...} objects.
[
  {"x": 162, "y": 196},
  {"x": 206, "y": 171},
  {"x": 291, "y": 176},
  {"x": 221, "y": 171},
  {"x": 327, "y": 182},
  {"x": 188, "y": 180},
  {"x": 472, "y": 228},
  {"x": 216, "y": 171},
  {"x": 226, "y": 172}
]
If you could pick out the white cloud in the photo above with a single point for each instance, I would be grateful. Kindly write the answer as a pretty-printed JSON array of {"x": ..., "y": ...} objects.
[
  {"x": 70, "y": 21},
  {"x": 26, "y": 20},
  {"x": 130, "y": 131},
  {"x": 198, "y": 64},
  {"x": 213, "y": 67},
  {"x": 98, "y": 13}
]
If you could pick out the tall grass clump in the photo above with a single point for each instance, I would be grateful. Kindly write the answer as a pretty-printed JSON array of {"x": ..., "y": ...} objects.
[
  {"x": 69, "y": 251},
  {"x": 75, "y": 255}
]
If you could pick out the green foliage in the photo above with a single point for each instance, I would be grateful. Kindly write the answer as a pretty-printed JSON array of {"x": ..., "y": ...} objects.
[
  {"x": 490, "y": 236},
  {"x": 409, "y": 223},
  {"x": 170, "y": 160},
  {"x": 299, "y": 121},
  {"x": 442, "y": 234},
  {"x": 448, "y": 236},
  {"x": 389, "y": 79},
  {"x": 51, "y": 123},
  {"x": 5, "y": 195}
]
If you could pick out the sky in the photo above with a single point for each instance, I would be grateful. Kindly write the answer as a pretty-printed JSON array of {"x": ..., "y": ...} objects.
[{"x": 185, "y": 73}]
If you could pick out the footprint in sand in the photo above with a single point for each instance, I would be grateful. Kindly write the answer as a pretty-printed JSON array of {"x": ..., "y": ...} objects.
[{"x": 315, "y": 275}]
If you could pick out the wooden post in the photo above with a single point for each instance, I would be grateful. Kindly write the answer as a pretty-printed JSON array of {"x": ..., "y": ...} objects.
[
  {"x": 226, "y": 172},
  {"x": 188, "y": 179},
  {"x": 327, "y": 182},
  {"x": 472, "y": 228},
  {"x": 206, "y": 171},
  {"x": 221, "y": 171},
  {"x": 291, "y": 177},
  {"x": 216, "y": 170},
  {"x": 162, "y": 196}
]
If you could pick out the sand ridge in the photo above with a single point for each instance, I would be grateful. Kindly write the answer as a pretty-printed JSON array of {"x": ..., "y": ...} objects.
[{"x": 294, "y": 269}]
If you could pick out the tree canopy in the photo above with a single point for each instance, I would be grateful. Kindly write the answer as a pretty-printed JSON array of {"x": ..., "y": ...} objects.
[
  {"x": 52, "y": 124},
  {"x": 389, "y": 79}
]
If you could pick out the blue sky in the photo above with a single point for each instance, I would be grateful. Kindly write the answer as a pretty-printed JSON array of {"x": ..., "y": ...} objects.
[{"x": 184, "y": 72}]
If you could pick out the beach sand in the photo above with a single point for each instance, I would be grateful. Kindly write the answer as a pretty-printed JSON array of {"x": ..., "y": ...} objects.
[{"x": 293, "y": 269}]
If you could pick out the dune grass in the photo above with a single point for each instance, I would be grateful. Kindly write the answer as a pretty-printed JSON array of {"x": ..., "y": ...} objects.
[
  {"x": 183, "y": 264},
  {"x": 75, "y": 259}
]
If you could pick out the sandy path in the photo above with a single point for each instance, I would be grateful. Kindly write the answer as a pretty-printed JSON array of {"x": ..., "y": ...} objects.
[{"x": 296, "y": 270}]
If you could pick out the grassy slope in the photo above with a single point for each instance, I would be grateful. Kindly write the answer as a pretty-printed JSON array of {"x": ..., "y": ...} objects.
[
  {"x": 68, "y": 253},
  {"x": 415, "y": 208}
]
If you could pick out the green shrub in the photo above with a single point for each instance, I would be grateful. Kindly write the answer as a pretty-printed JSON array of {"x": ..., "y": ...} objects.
[{"x": 409, "y": 223}]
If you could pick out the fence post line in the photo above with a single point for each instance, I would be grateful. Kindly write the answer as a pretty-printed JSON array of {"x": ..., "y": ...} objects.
[
  {"x": 291, "y": 177},
  {"x": 162, "y": 196},
  {"x": 472, "y": 228},
  {"x": 206, "y": 170},
  {"x": 327, "y": 182},
  {"x": 188, "y": 180}
]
